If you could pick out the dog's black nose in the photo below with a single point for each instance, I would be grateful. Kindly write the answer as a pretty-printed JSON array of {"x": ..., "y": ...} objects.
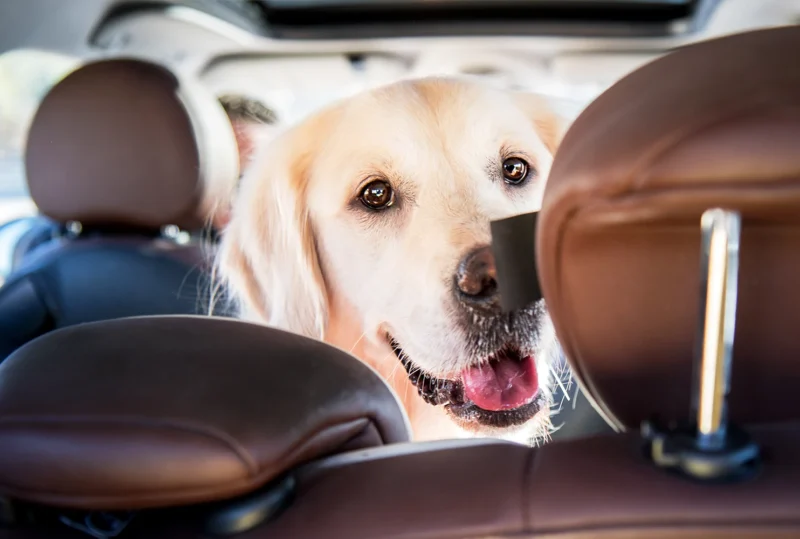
[{"x": 476, "y": 277}]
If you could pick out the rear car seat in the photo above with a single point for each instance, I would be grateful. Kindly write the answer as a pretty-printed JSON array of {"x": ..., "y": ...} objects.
[
  {"x": 34, "y": 231},
  {"x": 120, "y": 149},
  {"x": 202, "y": 426}
]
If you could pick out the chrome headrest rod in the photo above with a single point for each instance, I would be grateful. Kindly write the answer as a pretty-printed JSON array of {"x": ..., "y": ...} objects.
[
  {"x": 710, "y": 448},
  {"x": 719, "y": 269}
]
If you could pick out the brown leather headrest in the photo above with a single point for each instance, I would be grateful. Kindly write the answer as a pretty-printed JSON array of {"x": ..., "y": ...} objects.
[
  {"x": 125, "y": 142},
  {"x": 715, "y": 124},
  {"x": 169, "y": 410}
]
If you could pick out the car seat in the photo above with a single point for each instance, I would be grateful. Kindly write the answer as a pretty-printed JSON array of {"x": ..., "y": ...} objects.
[
  {"x": 33, "y": 231},
  {"x": 626, "y": 256},
  {"x": 118, "y": 152},
  {"x": 171, "y": 410}
]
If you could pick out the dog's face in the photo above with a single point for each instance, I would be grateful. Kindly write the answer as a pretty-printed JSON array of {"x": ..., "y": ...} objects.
[{"x": 378, "y": 209}]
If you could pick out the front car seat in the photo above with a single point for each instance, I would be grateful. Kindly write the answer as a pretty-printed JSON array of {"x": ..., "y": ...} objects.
[
  {"x": 169, "y": 411},
  {"x": 118, "y": 152}
]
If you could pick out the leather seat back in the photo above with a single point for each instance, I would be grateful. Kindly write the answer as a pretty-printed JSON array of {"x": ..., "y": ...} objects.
[
  {"x": 159, "y": 412},
  {"x": 119, "y": 151},
  {"x": 715, "y": 124}
]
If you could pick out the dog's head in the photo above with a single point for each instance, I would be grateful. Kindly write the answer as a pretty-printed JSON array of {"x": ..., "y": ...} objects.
[{"x": 377, "y": 209}]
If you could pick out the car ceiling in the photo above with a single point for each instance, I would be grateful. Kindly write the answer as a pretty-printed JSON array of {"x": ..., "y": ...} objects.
[
  {"x": 207, "y": 37},
  {"x": 67, "y": 27}
]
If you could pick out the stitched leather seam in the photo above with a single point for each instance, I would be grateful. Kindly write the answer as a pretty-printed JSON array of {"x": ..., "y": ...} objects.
[{"x": 222, "y": 437}]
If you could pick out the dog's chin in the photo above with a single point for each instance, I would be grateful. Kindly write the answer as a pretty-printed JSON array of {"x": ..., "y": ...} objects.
[{"x": 495, "y": 396}]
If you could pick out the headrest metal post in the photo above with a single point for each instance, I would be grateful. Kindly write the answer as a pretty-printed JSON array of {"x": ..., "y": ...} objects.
[
  {"x": 719, "y": 279},
  {"x": 708, "y": 447}
]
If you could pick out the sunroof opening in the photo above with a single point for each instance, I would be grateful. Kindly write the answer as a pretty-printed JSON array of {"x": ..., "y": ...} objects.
[{"x": 387, "y": 18}]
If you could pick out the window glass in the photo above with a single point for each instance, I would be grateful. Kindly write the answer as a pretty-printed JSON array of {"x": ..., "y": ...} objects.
[{"x": 25, "y": 77}]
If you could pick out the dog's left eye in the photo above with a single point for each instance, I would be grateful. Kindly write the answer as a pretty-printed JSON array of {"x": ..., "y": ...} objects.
[
  {"x": 377, "y": 195},
  {"x": 515, "y": 170}
]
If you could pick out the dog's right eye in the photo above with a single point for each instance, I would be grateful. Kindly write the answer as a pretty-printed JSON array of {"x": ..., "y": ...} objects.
[{"x": 377, "y": 195}]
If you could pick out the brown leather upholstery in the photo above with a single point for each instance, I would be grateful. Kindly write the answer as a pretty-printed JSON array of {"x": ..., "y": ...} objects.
[
  {"x": 601, "y": 487},
  {"x": 160, "y": 411},
  {"x": 598, "y": 488},
  {"x": 714, "y": 124},
  {"x": 175, "y": 146}
]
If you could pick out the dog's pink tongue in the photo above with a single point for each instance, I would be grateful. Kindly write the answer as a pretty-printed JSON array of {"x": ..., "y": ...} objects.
[{"x": 502, "y": 384}]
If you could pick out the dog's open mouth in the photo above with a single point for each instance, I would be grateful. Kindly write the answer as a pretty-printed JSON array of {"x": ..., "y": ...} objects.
[{"x": 500, "y": 391}]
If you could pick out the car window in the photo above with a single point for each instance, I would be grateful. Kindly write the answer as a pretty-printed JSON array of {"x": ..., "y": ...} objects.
[{"x": 25, "y": 77}]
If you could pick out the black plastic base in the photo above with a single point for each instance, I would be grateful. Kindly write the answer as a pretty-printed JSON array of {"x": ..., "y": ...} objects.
[
  {"x": 99, "y": 524},
  {"x": 678, "y": 450},
  {"x": 243, "y": 514}
]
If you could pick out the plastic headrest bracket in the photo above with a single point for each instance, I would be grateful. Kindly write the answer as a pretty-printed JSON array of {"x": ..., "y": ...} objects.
[
  {"x": 243, "y": 514},
  {"x": 514, "y": 248},
  {"x": 708, "y": 448},
  {"x": 99, "y": 524},
  {"x": 221, "y": 519}
]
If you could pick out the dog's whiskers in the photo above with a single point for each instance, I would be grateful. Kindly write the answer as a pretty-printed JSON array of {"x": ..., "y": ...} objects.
[
  {"x": 557, "y": 378},
  {"x": 394, "y": 369},
  {"x": 358, "y": 341}
]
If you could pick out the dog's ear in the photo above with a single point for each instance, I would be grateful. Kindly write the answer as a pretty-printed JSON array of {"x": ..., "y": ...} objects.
[
  {"x": 249, "y": 137},
  {"x": 268, "y": 259},
  {"x": 551, "y": 117}
]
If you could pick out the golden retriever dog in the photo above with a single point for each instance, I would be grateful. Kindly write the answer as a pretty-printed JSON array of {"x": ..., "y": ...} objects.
[{"x": 367, "y": 226}]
